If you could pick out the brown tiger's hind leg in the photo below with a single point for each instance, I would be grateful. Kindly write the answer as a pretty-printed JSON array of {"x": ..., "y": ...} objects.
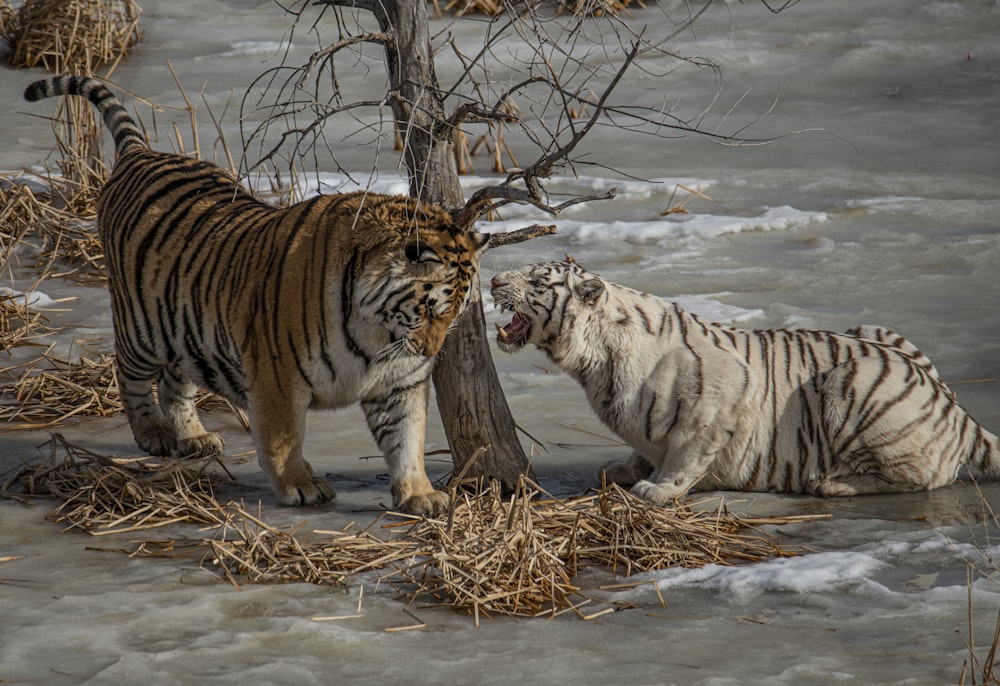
[
  {"x": 151, "y": 429},
  {"x": 177, "y": 402}
]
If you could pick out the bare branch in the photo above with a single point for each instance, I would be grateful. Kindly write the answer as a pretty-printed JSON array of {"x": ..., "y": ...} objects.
[
  {"x": 550, "y": 79},
  {"x": 472, "y": 113},
  {"x": 368, "y": 5},
  {"x": 520, "y": 235},
  {"x": 534, "y": 192}
]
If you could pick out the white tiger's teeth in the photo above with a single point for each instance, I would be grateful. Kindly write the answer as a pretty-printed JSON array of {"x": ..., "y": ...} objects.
[{"x": 501, "y": 333}]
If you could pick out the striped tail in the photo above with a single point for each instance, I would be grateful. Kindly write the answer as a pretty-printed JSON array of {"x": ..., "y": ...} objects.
[
  {"x": 122, "y": 127},
  {"x": 984, "y": 459}
]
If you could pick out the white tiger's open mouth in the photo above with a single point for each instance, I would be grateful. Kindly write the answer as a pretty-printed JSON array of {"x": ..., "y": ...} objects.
[{"x": 515, "y": 334}]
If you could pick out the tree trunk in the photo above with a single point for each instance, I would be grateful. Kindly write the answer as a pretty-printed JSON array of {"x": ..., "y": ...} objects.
[{"x": 469, "y": 397}]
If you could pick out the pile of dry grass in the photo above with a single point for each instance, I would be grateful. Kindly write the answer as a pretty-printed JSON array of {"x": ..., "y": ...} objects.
[
  {"x": 489, "y": 556},
  {"x": 107, "y": 495},
  {"x": 20, "y": 210},
  {"x": 47, "y": 392},
  {"x": 71, "y": 36},
  {"x": 19, "y": 323},
  {"x": 497, "y": 556},
  {"x": 57, "y": 226}
]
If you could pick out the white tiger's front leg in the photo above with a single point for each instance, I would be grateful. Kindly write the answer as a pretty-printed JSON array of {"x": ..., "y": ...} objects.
[
  {"x": 688, "y": 457},
  {"x": 398, "y": 420},
  {"x": 627, "y": 473},
  {"x": 705, "y": 420}
]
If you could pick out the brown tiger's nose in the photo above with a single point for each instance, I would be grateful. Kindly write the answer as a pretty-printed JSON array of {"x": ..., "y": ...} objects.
[{"x": 495, "y": 282}]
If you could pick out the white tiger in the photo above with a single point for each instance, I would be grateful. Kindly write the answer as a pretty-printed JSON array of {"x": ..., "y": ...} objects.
[{"x": 793, "y": 411}]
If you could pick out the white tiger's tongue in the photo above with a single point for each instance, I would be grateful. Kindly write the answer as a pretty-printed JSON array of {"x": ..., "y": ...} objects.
[{"x": 514, "y": 331}]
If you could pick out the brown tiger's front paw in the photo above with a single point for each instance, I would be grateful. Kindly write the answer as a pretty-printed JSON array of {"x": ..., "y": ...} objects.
[
  {"x": 310, "y": 492},
  {"x": 432, "y": 504},
  {"x": 156, "y": 440}
]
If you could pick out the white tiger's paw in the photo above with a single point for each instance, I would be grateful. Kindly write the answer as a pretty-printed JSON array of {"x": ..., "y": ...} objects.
[
  {"x": 205, "y": 445},
  {"x": 657, "y": 494},
  {"x": 624, "y": 473},
  {"x": 312, "y": 491},
  {"x": 432, "y": 504}
]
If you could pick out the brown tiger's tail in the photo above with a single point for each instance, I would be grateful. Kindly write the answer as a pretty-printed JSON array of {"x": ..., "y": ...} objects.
[{"x": 123, "y": 129}]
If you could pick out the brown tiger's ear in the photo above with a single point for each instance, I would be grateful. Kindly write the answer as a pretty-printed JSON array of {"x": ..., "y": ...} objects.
[
  {"x": 479, "y": 240},
  {"x": 590, "y": 290}
]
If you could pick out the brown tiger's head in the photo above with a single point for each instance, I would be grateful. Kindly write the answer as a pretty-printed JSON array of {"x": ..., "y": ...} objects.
[
  {"x": 419, "y": 274},
  {"x": 544, "y": 299}
]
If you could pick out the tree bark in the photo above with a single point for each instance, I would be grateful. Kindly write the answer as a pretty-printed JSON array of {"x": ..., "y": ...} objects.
[{"x": 469, "y": 397}]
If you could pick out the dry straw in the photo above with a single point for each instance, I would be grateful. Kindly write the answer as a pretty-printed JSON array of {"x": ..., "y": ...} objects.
[
  {"x": 48, "y": 391},
  {"x": 51, "y": 230},
  {"x": 105, "y": 495},
  {"x": 19, "y": 323},
  {"x": 490, "y": 555},
  {"x": 72, "y": 35},
  {"x": 493, "y": 555}
]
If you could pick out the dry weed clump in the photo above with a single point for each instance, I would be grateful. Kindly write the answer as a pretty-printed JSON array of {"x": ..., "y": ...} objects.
[
  {"x": 20, "y": 210},
  {"x": 491, "y": 555},
  {"x": 50, "y": 391},
  {"x": 106, "y": 495},
  {"x": 72, "y": 36},
  {"x": 19, "y": 323},
  {"x": 47, "y": 392},
  {"x": 57, "y": 226}
]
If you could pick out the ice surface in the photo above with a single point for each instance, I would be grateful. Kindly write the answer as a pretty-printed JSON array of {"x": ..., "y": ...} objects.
[{"x": 890, "y": 216}]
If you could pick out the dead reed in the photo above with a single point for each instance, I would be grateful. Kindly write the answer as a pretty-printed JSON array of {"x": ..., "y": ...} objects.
[
  {"x": 491, "y": 555},
  {"x": 106, "y": 495},
  {"x": 48, "y": 391},
  {"x": 19, "y": 323},
  {"x": 52, "y": 231},
  {"x": 76, "y": 36}
]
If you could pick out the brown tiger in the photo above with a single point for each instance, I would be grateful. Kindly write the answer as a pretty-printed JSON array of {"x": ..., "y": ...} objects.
[
  {"x": 335, "y": 299},
  {"x": 792, "y": 411}
]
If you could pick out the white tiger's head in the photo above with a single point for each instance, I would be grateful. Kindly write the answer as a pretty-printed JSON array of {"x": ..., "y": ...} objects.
[{"x": 545, "y": 300}]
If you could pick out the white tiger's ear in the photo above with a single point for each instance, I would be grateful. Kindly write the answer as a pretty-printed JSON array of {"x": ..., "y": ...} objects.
[{"x": 589, "y": 291}]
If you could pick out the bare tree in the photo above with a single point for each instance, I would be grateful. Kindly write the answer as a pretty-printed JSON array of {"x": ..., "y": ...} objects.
[{"x": 543, "y": 74}]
